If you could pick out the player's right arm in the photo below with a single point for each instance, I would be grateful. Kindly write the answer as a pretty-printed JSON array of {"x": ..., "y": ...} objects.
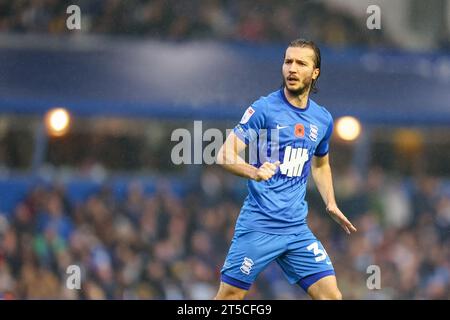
[{"x": 228, "y": 157}]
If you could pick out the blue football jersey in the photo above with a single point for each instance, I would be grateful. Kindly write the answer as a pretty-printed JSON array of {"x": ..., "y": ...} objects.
[{"x": 275, "y": 130}]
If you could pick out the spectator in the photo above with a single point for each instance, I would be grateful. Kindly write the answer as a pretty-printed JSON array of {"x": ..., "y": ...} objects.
[
  {"x": 168, "y": 19},
  {"x": 159, "y": 246}
]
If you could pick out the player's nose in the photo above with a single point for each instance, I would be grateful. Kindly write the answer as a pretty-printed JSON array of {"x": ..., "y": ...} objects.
[{"x": 292, "y": 71}]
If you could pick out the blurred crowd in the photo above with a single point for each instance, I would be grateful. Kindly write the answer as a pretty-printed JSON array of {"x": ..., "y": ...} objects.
[
  {"x": 164, "y": 245},
  {"x": 243, "y": 20}
]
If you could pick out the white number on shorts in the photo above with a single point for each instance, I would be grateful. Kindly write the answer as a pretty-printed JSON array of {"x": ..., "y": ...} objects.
[{"x": 319, "y": 253}]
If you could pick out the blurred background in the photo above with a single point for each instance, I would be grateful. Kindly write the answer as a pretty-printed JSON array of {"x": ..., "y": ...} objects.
[{"x": 91, "y": 183}]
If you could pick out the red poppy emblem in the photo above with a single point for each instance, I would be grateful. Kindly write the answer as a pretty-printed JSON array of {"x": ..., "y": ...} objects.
[{"x": 299, "y": 130}]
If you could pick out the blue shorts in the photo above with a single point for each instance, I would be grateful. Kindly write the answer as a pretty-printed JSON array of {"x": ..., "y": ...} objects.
[{"x": 301, "y": 256}]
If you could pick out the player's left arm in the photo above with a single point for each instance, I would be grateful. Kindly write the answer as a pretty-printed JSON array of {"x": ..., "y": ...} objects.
[{"x": 321, "y": 172}]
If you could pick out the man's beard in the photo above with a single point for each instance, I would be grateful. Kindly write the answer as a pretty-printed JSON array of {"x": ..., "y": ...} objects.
[{"x": 305, "y": 86}]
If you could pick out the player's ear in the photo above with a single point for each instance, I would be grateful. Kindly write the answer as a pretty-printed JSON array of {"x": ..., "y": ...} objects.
[{"x": 316, "y": 73}]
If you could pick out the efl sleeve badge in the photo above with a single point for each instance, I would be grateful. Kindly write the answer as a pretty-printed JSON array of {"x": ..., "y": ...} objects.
[{"x": 247, "y": 115}]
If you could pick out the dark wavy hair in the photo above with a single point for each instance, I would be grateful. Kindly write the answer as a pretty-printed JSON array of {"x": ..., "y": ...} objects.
[{"x": 302, "y": 43}]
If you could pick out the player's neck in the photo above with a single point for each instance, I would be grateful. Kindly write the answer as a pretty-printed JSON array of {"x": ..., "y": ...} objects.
[{"x": 299, "y": 101}]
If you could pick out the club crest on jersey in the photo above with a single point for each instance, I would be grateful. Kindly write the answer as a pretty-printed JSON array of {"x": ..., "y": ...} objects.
[
  {"x": 299, "y": 130},
  {"x": 247, "y": 115},
  {"x": 313, "y": 132}
]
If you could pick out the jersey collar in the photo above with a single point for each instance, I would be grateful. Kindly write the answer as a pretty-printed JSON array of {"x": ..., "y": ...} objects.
[{"x": 283, "y": 96}]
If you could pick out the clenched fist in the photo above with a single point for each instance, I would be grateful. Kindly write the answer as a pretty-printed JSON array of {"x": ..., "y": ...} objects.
[{"x": 266, "y": 171}]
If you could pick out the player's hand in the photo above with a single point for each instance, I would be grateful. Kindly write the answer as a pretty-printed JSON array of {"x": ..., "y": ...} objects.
[
  {"x": 340, "y": 218},
  {"x": 266, "y": 171}
]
